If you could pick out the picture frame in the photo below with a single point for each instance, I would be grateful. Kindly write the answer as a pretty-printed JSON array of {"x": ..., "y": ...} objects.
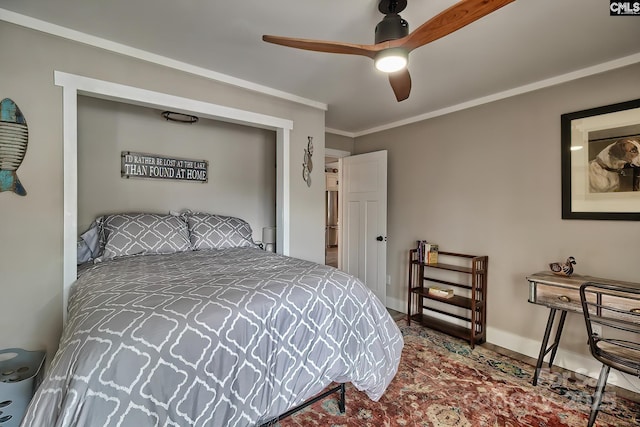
[{"x": 600, "y": 158}]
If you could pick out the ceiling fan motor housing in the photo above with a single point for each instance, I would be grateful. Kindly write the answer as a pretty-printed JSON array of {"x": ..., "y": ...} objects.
[{"x": 392, "y": 27}]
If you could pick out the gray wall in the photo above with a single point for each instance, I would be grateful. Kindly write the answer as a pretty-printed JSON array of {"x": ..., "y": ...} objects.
[
  {"x": 486, "y": 181},
  {"x": 242, "y": 165},
  {"x": 339, "y": 142},
  {"x": 31, "y": 227}
]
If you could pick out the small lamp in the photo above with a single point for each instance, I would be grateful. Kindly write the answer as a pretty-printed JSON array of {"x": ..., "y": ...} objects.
[{"x": 269, "y": 238}]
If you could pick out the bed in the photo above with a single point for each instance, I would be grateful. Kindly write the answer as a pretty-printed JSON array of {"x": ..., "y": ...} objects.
[{"x": 225, "y": 335}]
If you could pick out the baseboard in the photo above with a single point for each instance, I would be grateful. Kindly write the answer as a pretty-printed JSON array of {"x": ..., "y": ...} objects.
[
  {"x": 575, "y": 362},
  {"x": 569, "y": 360},
  {"x": 396, "y": 304}
]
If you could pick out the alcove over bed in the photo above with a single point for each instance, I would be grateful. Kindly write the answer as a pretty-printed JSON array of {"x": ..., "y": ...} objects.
[{"x": 74, "y": 86}]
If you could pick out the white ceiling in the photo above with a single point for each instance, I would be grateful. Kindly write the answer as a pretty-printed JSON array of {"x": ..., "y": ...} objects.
[{"x": 525, "y": 42}]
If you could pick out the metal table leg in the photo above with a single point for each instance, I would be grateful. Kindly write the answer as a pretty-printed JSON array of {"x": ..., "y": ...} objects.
[
  {"x": 553, "y": 348},
  {"x": 556, "y": 341}
]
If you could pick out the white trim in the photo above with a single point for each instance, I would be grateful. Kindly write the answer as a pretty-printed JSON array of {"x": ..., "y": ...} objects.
[
  {"x": 77, "y": 36},
  {"x": 147, "y": 98},
  {"x": 70, "y": 190},
  {"x": 396, "y": 304},
  {"x": 283, "y": 192},
  {"x": 570, "y": 360},
  {"x": 553, "y": 81},
  {"x": 340, "y": 132},
  {"x": 57, "y": 30},
  {"x": 332, "y": 152},
  {"x": 73, "y": 85}
]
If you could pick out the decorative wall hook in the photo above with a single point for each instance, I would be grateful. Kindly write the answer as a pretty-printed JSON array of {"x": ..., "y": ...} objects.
[
  {"x": 307, "y": 166},
  {"x": 179, "y": 117}
]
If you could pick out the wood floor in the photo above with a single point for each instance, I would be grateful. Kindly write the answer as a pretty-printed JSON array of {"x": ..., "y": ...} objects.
[{"x": 396, "y": 315}]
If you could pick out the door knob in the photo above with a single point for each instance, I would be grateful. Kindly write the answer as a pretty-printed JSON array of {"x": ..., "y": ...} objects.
[{"x": 379, "y": 238}]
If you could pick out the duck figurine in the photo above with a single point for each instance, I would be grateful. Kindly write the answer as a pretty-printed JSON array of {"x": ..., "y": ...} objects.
[{"x": 563, "y": 268}]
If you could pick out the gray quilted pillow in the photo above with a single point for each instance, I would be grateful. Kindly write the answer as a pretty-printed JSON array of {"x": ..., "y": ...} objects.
[
  {"x": 143, "y": 234},
  {"x": 208, "y": 231}
]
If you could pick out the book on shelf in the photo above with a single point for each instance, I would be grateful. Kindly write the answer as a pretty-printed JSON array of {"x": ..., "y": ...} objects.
[
  {"x": 441, "y": 292},
  {"x": 427, "y": 252},
  {"x": 421, "y": 249},
  {"x": 431, "y": 253}
]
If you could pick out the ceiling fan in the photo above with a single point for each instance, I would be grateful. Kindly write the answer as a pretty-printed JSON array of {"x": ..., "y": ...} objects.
[{"x": 393, "y": 42}]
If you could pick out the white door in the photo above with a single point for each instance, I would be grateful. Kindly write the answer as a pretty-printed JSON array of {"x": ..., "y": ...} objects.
[{"x": 364, "y": 219}]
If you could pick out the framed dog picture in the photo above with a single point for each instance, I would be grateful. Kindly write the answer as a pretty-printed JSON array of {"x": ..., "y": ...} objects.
[{"x": 601, "y": 162}]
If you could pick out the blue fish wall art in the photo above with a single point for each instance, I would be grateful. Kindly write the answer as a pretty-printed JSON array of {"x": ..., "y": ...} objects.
[{"x": 14, "y": 136}]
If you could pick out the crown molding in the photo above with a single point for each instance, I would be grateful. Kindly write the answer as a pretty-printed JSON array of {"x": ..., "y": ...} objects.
[
  {"x": 553, "y": 81},
  {"x": 87, "y": 39},
  {"x": 57, "y": 30}
]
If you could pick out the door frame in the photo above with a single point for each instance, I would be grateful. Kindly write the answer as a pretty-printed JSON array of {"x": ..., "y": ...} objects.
[
  {"x": 339, "y": 154},
  {"x": 332, "y": 152}
]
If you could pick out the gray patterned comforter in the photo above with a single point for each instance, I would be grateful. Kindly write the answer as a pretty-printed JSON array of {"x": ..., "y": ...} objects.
[{"x": 230, "y": 337}]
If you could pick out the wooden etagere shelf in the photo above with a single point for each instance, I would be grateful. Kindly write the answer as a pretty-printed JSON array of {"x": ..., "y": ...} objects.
[{"x": 468, "y": 305}]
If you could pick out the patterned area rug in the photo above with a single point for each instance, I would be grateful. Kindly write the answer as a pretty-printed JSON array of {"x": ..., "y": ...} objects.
[{"x": 442, "y": 382}]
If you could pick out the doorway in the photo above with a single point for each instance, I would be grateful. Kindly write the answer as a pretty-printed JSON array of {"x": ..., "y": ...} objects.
[{"x": 332, "y": 200}]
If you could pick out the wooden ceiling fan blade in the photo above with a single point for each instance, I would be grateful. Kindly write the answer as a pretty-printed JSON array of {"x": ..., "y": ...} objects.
[
  {"x": 452, "y": 19},
  {"x": 401, "y": 84},
  {"x": 325, "y": 46}
]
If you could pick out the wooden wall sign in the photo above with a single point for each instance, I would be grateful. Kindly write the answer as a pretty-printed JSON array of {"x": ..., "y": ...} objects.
[{"x": 142, "y": 165}]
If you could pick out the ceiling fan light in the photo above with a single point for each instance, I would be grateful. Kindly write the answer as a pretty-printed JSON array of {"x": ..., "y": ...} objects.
[{"x": 391, "y": 60}]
